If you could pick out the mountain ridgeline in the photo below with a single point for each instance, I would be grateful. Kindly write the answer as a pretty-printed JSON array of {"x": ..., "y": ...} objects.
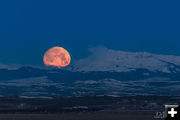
[
  {"x": 105, "y": 73},
  {"x": 28, "y": 81}
]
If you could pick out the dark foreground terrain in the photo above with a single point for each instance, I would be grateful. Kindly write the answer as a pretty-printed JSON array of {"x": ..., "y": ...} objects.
[
  {"x": 122, "y": 107},
  {"x": 82, "y": 116}
]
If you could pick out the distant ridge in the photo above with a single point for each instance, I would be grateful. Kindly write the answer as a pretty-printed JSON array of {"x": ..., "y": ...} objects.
[{"x": 103, "y": 59}]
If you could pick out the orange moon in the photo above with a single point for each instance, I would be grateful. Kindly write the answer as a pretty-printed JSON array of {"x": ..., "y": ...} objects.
[{"x": 57, "y": 57}]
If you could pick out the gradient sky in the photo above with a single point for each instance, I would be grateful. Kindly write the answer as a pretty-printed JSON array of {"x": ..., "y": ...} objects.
[{"x": 29, "y": 27}]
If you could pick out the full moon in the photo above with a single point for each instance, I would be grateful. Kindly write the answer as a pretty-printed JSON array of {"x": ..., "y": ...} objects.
[{"x": 57, "y": 57}]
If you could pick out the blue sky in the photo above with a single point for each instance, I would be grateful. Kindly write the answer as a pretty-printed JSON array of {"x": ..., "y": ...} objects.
[{"x": 29, "y": 27}]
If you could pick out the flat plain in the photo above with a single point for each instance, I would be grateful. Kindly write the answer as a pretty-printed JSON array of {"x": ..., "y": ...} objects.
[{"x": 82, "y": 116}]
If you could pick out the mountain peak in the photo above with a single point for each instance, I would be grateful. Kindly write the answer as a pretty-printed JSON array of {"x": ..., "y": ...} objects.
[{"x": 103, "y": 59}]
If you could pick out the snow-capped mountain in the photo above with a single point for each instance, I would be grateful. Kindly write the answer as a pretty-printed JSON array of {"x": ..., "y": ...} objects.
[
  {"x": 105, "y": 72},
  {"x": 103, "y": 59}
]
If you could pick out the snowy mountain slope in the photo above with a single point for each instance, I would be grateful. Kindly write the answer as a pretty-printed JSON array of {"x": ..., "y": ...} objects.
[
  {"x": 105, "y": 72},
  {"x": 103, "y": 59}
]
